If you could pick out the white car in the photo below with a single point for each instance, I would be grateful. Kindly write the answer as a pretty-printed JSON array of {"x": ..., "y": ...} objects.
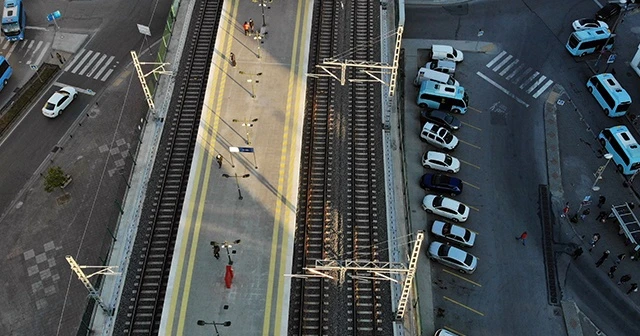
[
  {"x": 440, "y": 161},
  {"x": 445, "y": 332},
  {"x": 438, "y": 136},
  {"x": 583, "y": 24},
  {"x": 446, "y": 52},
  {"x": 446, "y": 207},
  {"x": 453, "y": 233},
  {"x": 59, "y": 101},
  {"x": 452, "y": 257}
]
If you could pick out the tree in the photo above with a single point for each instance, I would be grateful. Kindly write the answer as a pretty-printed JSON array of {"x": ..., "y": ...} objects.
[{"x": 55, "y": 178}]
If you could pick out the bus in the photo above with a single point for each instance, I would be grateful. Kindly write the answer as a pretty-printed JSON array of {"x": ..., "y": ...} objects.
[
  {"x": 613, "y": 99},
  {"x": 14, "y": 20},
  {"x": 588, "y": 41},
  {"x": 625, "y": 150},
  {"x": 5, "y": 72},
  {"x": 438, "y": 96}
]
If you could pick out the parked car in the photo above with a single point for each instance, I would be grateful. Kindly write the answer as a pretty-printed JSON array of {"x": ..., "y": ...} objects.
[
  {"x": 441, "y": 118},
  {"x": 59, "y": 101},
  {"x": 445, "y": 332},
  {"x": 583, "y": 24},
  {"x": 445, "y": 52},
  {"x": 453, "y": 233},
  {"x": 453, "y": 257},
  {"x": 440, "y": 161},
  {"x": 448, "y": 67},
  {"x": 608, "y": 11},
  {"x": 438, "y": 136},
  {"x": 441, "y": 183},
  {"x": 446, "y": 207}
]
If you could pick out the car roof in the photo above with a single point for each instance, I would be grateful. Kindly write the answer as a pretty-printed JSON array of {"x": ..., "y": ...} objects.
[{"x": 436, "y": 155}]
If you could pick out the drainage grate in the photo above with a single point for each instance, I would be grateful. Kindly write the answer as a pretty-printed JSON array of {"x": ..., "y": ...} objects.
[{"x": 547, "y": 244}]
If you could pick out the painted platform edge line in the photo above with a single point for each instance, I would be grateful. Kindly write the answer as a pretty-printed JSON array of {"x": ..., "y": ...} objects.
[{"x": 174, "y": 289}]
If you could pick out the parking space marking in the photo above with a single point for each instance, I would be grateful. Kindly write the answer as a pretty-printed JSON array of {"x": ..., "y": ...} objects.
[
  {"x": 473, "y": 208},
  {"x": 475, "y": 109},
  {"x": 463, "y": 306},
  {"x": 470, "y": 164},
  {"x": 477, "y": 128},
  {"x": 461, "y": 277},
  {"x": 497, "y": 86},
  {"x": 470, "y": 144},
  {"x": 471, "y": 185}
]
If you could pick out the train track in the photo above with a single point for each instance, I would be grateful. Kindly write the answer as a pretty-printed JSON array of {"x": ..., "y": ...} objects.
[
  {"x": 338, "y": 210},
  {"x": 143, "y": 316}
]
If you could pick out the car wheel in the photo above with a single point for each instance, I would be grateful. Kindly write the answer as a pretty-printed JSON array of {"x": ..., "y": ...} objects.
[
  {"x": 429, "y": 211},
  {"x": 75, "y": 95},
  {"x": 584, "y": 53},
  {"x": 462, "y": 271},
  {"x": 620, "y": 168},
  {"x": 423, "y": 105},
  {"x": 455, "y": 220},
  {"x": 602, "y": 142},
  {"x": 451, "y": 171},
  {"x": 456, "y": 111},
  {"x": 590, "y": 89},
  {"x": 5, "y": 82},
  {"x": 606, "y": 111}
]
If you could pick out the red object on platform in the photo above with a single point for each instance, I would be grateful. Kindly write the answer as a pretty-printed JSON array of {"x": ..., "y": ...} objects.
[{"x": 228, "y": 277}]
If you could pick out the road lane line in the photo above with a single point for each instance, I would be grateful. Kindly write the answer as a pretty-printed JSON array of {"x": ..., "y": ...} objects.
[
  {"x": 13, "y": 46},
  {"x": 501, "y": 64},
  {"x": 90, "y": 73},
  {"x": 461, "y": 277},
  {"x": 543, "y": 88},
  {"x": 470, "y": 144},
  {"x": 104, "y": 67},
  {"x": 96, "y": 55},
  {"x": 35, "y": 51},
  {"x": 495, "y": 59},
  {"x": 74, "y": 60},
  {"x": 82, "y": 61},
  {"x": 104, "y": 78},
  {"x": 470, "y": 164},
  {"x": 42, "y": 53},
  {"x": 505, "y": 70},
  {"x": 472, "y": 126},
  {"x": 501, "y": 88},
  {"x": 463, "y": 306}
]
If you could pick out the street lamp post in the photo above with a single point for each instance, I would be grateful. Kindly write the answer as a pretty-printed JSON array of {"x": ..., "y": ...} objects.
[
  {"x": 615, "y": 25},
  {"x": 214, "y": 324},
  {"x": 598, "y": 173},
  {"x": 258, "y": 39},
  {"x": 227, "y": 245},
  {"x": 237, "y": 182},
  {"x": 251, "y": 80},
  {"x": 262, "y": 6},
  {"x": 247, "y": 124}
]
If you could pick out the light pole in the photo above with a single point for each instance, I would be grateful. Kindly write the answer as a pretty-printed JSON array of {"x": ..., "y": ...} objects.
[
  {"x": 227, "y": 245},
  {"x": 251, "y": 81},
  {"x": 258, "y": 39},
  {"x": 237, "y": 182},
  {"x": 615, "y": 25},
  {"x": 598, "y": 173},
  {"x": 247, "y": 124},
  {"x": 264, "y": 22},
  {"x": 215, "y": 325}
]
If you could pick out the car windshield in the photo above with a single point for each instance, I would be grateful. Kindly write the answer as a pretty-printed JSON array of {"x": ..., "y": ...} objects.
[
  {"x": 64, "y": 93},
  {"x": 443, "y": 250},
  {"x": 49, "y": 106},
  {"x": 461, "y": 208},
  {"x": 448, "y": 118},
  {"x": 448, "y": 159},
  {"x": 439, "y": 179},
  {"x": 437, "y": 201},
  {"x": 448, "y": 138},
  {"x": 467, "y": 235},
  {"x": 455, "y": 53},
  {"x": 468, "y": 260},
  {"x": 590, "y": 22}
]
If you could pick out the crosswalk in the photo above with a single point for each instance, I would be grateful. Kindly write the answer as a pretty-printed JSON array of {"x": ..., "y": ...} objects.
[
  {"x": 91, "y": 64},
  {"x": 33, "y": 50},
  {"x": 526, "y": 78}
]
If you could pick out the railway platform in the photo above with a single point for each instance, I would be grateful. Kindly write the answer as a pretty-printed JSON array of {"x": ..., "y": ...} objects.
[{"x": 237, "y": 226}]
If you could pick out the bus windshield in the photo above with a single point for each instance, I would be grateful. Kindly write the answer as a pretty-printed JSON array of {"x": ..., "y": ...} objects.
[
  {"x": 465, "y": 99},
  {"x": 573, "y": 41},
  {"x": 623, "y": 107},
  {"x": 9, "y": 28}
]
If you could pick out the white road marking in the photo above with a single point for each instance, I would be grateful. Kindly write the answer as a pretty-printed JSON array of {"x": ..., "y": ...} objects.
[
  {"x": 74, "y": 60},
  {"x": 104, "y": 78},
  {"x": 515, "y": 71},
  {"x": 538, "y": 82},
  {"x": 96, "y": 65},
  {"x": 542, "y": 89},
  {"x": 35, "y": 51},
  {"x": 13, "y": 46},
  {"x": 504, "y": 71},
  {"x": 501, "y": 64},
  {"x": 89, "y": 64},
  {"x": 104, "y": 67},
  {"x": 495, "y": 59},
  {"x": 529, "y": 80},
  {"x": 42, "y": 53},
  {"x": 82, "y": 61},
  {"x": 501, "y": 88}
]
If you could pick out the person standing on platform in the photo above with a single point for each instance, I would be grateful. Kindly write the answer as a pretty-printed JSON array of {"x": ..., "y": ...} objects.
[
  {"x": 634, "y": 288},
  {"x": 577, "y": 253},
  {"x": 246, "y": 28},
  {"x": 604, "y": 257},
  {"x": 251, "y": 26},
  {"x": 601, "y": 201},
  {"x": 624, "y": 279},
  {"x": 522, "y": 237}
]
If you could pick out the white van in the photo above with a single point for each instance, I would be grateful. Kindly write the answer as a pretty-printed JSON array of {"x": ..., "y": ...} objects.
[
  {"x": 445, "y": 52},
  {"x": 428, "y": 74},
  {"x": 448, "y": 67}
]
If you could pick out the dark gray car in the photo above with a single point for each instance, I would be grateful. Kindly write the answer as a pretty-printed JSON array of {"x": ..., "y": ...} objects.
[{"x": 441, "y": 118}]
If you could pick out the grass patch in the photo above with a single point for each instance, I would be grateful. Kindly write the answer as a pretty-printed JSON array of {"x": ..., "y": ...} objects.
[{"x": 24, "y": 97}]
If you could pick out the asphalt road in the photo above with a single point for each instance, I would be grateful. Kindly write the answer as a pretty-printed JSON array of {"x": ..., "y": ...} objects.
[{"x": 503, "y": 156}]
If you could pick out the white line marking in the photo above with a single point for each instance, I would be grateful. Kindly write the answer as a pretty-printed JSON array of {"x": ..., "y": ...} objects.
[
  {"x": 515, "y": 71},
  {"x": 504, "y": 71},
  {"x": 104, "y": 78},
  {"x": 84, "y": 91},
  {"x": 523, "y": 75},
  {"x": 82, "y": 61},
  {"x": 542, "y": 89},
  {"x": 74, "y": 60},
  {"x": 13, "y": 46},
  {"x": 495, "y": 59},
  {"x": 501, "y": 64},
  {"x": 35, "y": 51},
  {"x": 36, "y": 28},
  {"x": 501, "y": 88},
  {"x": 42, "y": 53},
  {"x": 104, "y": 67},
  {"x": 5, "y": 44},
  {"x": 89, "y": 64},
  {"x": 96, "y": 65},
  {"x": 532, "y": 77},
  {"x": 538, "y": 82}
]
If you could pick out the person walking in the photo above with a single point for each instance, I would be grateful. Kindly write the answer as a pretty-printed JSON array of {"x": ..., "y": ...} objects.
[
  {"x": 565, "y": 210},
  {"x": 246, "y": 28},
  {"x": 604, "y": 257},
  {"x": 251, "y": 25},
  {"x": 624, "y": 279},
  {"x": 523, "y": 237},
  {"x": 216, "y": 251},
  {"x": 585, "y": 213},
  {"x": 620, "y": 258},
  {"x": 602, "y": 216},
  {"x": 577, "y": 253},
  {"x": 634, "y": 288},
  {"x": 594, "y": 241},
  {"x": 219, "y": 159},
  {"x": 601, "y": 201},
  {"x": 232, "y": 59},
  {"x": 612, "y": 271}
]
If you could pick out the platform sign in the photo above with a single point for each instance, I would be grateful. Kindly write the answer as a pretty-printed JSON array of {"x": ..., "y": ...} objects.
[
  {"x": 245, "y": 149},
  {"x": 611, "y": 59},
  {"x": 144, "y": 30}
]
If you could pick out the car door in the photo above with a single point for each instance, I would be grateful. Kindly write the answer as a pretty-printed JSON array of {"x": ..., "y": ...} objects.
[{"x": 62, "y": 104}]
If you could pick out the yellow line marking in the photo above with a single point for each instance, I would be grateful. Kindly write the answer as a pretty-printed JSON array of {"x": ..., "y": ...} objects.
[
  {"x": 469, "y": 125},
  {"x": 208, "y": 146},
  {"x": 469, "y": 163},
  {"x": 470, "y": 144},
  {"x": 455, "y": 331},
  {"x": 297, "y": 57},
  {"x": 461, "y": 277},
  {"x": 471, "y": 185},
  {"x": 474, "y": 208},
  {"x": 461, "y": 305},
  {"x": 474, "y": 109}
]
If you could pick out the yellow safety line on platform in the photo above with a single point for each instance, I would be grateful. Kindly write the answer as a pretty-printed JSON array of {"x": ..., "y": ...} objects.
[
  {"x": 462, "y": 305},
  {"x": 288, "y": 144},
  {"x": 177, "y": 288}
]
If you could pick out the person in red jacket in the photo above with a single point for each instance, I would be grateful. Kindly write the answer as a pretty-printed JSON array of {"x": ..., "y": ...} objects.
[{"x": 522, "y": 237}]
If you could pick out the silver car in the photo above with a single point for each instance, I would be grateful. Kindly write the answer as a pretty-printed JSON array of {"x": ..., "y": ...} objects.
[
  {"x": 453, "y": 233},
  {"x": 453, "y": 257}
]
